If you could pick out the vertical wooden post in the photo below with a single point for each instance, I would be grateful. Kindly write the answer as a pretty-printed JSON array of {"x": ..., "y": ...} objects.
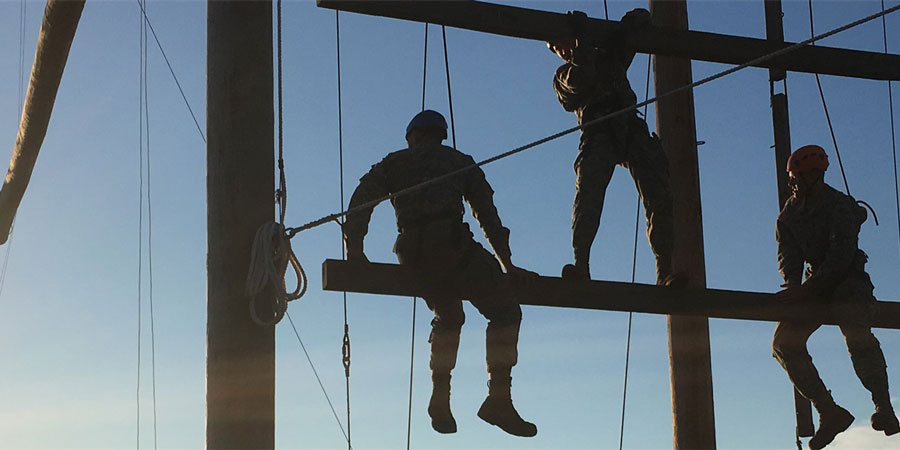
[
  {"x": 689, "y": 355},
  {"x": 782, "y": 129},
  {"x": 240, "y": 367}
]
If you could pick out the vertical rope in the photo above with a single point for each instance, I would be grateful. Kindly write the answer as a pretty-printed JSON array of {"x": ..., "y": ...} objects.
[
  {"x": 281, "y": 193},
  {"x": 893, "y": 134},
  {"x": 20, "y": 107},
  {"x": 150, "y": 235},
  {"x": 412, "y": 339},
  {"x": 140, "y": 222},
  {"x": 825, "y": 107},
  {"x": 637, "y": 221},
  {"x": 345, "y": 346},
  {"x": 449, "y": 92}
]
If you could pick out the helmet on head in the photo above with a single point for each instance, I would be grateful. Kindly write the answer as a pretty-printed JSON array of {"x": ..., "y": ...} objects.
[
  {"x": 806, "y": 158},
  {"x": 428, "y": 119}
]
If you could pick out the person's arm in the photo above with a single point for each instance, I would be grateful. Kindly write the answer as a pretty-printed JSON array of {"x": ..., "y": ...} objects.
[
  {"x": 790, "y": 257},
  {"x": 843, "y": 239},
  {"x": 372, "y": 186},
  {"x": 574, "y": 81},
  {"x": 633, "y": 22},
  {"x": 478, "y": 193},
  {"x": 790, "y": 264}
]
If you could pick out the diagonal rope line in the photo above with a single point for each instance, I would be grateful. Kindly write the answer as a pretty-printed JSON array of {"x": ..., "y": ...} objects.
[
  {"x": 333, "y": 217},
  {"x": 318, "y": 379},
  {"x": 825, "y": 107},
  {"x": 172, "y": 71}
]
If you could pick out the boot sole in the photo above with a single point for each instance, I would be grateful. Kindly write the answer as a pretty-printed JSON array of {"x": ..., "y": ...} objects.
[
  {"x": 841, "y": 427},
  {"x": 444, "y": 428},
  {"x": 487, "y": 419}
]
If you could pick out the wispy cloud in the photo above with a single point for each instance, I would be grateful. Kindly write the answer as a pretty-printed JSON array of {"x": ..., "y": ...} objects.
[{"x": 864, "y": 438}]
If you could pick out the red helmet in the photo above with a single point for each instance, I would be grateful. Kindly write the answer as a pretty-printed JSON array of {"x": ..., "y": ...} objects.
[{"x": 806, "y": 158}]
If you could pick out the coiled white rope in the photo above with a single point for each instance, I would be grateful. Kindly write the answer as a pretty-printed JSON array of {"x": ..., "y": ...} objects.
[{"x": 269, "y": 261}]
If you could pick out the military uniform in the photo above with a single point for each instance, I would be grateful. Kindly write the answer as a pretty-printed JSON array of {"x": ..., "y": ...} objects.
[
  {"x": 595, "y": 83},
  {"x": 824, "y": 234},
  {"x": 434, "y": 240}
]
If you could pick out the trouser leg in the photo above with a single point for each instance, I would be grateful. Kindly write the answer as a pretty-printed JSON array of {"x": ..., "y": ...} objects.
[
  {"x": 649, "y": 168},
  {"x": 789, "y": 349},
  {"x": 871, "y": 368},
  {"x": 445, "y": 331},
  {"x": 593, "y": 171}
]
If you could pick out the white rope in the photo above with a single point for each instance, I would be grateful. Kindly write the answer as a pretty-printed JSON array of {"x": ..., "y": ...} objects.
[{"x": 269, "y": 261}]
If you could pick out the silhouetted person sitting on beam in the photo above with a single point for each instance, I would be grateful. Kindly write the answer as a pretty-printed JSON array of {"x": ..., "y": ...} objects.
[
  {"x": 819, "y": 226},
  {"x": 436, "y": 242}
]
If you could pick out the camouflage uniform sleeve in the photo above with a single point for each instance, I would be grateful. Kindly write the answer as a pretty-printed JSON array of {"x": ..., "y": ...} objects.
[
  {"x": 633, "y": 21},
  {"x": 372, "y": 186},
  {"x": 575, "y": 80},
  {"x": 843, "y": 243},
  {"x": 790, "y": 258},
  {"x": 480, "y": 196}
]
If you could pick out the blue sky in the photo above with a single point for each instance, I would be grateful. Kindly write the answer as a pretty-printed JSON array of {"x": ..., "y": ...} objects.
[{"x": 68, "y": 308}]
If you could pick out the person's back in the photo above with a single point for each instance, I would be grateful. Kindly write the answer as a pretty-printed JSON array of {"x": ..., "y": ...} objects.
[{"x": 825, "y": 233}]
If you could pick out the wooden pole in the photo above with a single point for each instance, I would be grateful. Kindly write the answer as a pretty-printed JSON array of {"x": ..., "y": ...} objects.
[
  {"x": 689, "y": 355},
  {"x": 240, "y": 367},
  {"x": 782, "y": 129},
  {"x": 57, "y": 32}
]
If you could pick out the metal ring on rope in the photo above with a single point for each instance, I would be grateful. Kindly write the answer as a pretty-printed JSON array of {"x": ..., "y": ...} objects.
[{"x": 269, "y": 261}]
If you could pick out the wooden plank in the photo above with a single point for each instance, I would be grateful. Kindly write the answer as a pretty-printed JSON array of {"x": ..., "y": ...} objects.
[
  {"x": 394, "y": 279},
  {"x": 240, "y": 355},
  {"x": 712, "y": 47}
]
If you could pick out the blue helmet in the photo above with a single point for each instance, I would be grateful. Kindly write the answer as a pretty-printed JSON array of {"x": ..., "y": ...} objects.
[{"x": 428, "y": 118}]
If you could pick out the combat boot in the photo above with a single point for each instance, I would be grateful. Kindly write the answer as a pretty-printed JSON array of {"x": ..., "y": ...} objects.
[
  {"x": 884, "y": 418},
  {"x": 833, "y": 420},
  {"x": 498, "y": 410},
  {"x": 439, "y": 407}
]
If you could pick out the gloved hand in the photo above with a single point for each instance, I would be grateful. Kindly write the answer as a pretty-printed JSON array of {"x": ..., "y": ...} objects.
[
  {"x": 578, "y": 20},
  {"x": 636, "y": 18}
]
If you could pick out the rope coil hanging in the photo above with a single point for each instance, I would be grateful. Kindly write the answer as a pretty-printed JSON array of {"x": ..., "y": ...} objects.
[{"x": 269, "y": 262}]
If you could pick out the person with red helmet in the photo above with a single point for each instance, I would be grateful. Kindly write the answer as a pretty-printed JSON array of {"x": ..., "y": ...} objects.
[{"x": 819, "y": 227}]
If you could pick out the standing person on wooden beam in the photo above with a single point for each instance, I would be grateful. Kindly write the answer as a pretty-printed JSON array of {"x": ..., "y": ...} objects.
[
  {"x": 592, "y": 83},
  {"x": 820, "y": 226},
  {"x": 436, "y": 242}
]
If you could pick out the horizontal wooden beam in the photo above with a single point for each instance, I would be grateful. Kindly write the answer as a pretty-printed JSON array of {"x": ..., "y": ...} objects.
[
  {"x": 393, "y": 279},
  {"x": 543, "y": 26}
]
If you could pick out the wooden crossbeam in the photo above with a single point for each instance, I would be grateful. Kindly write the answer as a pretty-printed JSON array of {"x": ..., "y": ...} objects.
[
  {"x": 712, "y": 47},
  {"x": 393, "y": 279}
]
